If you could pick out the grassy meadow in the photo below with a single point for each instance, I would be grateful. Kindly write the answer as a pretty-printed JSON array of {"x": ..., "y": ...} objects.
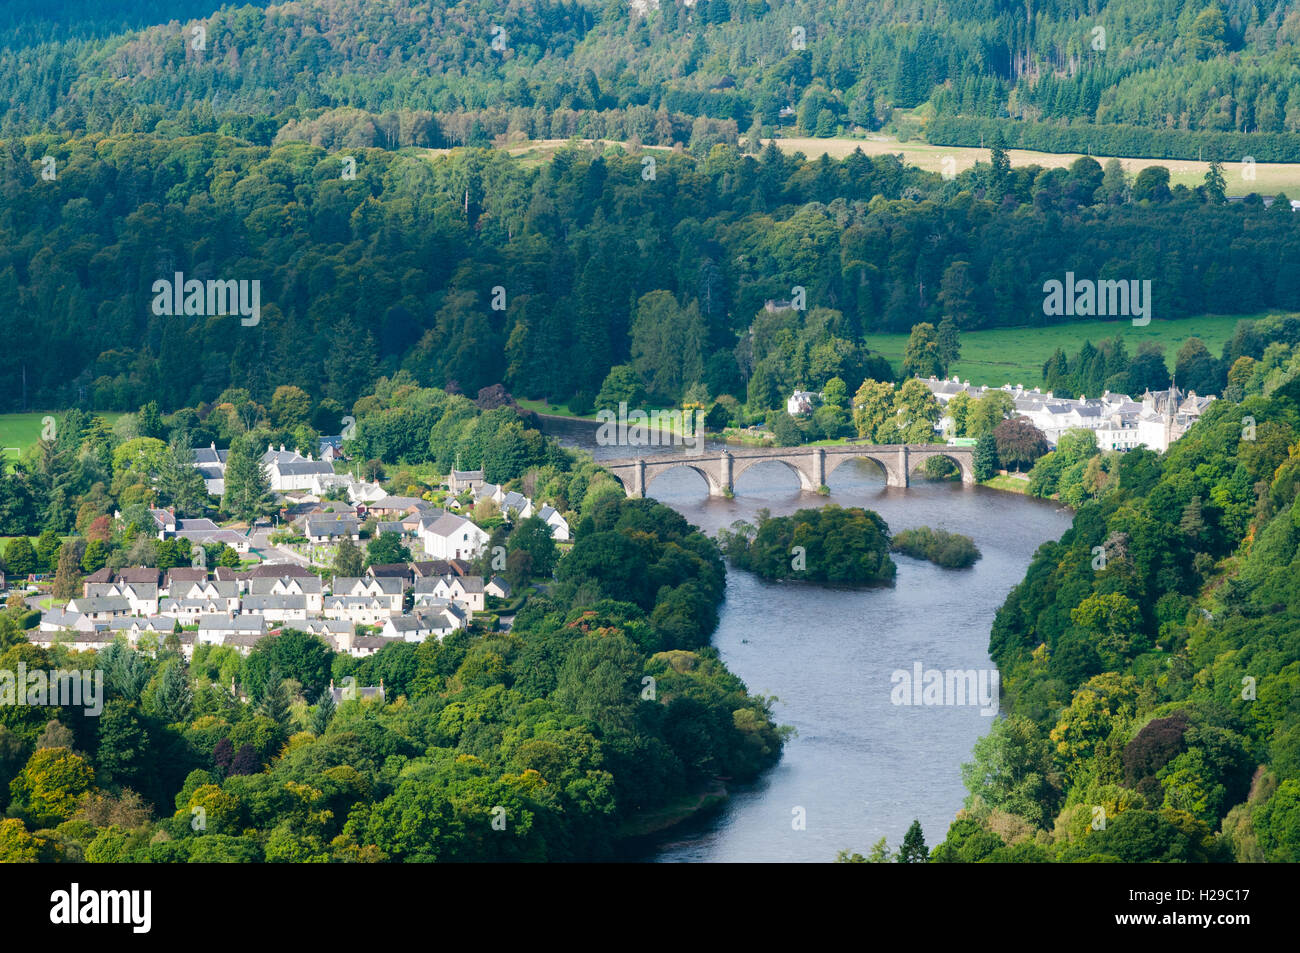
[{"x": 1015, "y": 355}]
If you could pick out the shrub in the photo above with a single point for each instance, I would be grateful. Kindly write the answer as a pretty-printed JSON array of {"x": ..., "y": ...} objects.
[{"x": 950, "y": 550}]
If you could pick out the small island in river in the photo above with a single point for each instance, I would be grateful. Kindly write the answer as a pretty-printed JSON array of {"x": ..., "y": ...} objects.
[
  {"x": 950, "y": 550},
  {"x": 832, "y": 545}
]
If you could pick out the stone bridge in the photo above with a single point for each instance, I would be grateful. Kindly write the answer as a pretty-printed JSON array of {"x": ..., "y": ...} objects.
[{"x": 812, "y": 465}]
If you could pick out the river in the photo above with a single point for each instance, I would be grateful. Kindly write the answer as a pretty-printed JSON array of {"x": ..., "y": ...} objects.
[{"x": 859, "y": 767}]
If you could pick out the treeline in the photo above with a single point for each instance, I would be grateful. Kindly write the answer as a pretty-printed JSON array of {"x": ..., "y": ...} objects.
[
  {"x": 1107, "y": 139},
  {"x": 1146, "y": 658},
  {"x": 1265, "y": 344}
]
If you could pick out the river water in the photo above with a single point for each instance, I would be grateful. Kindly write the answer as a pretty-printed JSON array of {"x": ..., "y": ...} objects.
[{"x": 860, "y": 767}]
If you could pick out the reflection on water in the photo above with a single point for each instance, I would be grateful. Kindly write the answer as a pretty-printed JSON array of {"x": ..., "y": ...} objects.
[{"x": 860, "y": 768}]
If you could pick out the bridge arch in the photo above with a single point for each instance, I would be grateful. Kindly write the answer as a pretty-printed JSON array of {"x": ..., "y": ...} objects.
[
  {"x": 883, "y": 462},
  {"x": 710, "y": 481},
  {"x": 916, "y": 459},
  {"x": 741, "y": 464},
  {"x": 621, "y": 482}
]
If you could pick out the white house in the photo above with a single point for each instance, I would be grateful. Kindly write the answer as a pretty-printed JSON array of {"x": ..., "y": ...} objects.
[
  {"x": 360, "y": 610},
  {"x": 192, "y": 609},
  {"x": 1118, "y": 421},
  {"x": 552, "y": 518},
  {"x": 309, "y": 588},
  {"x": 77, "y": 640},
  {"x": 289, "y": 470},
  {"x": 238, "y": 631},
  {"x": 99, "y": 608},
  {"x": 435, "y": 620},
  {"x": 215, "y": 590},
  {"x": 388, "y": 589},
  {"x": 142, "y": 597},
  {"x": 468, "y": 591},
  {"x": 133, "y": 628},
  {"x": 451, "y": 537},
  {"x": 276, "y": 608},
  {"x": 331, "y": 529},
  {"x": 211, "y": 462},
  {"x": 59, "y": 620},
  {"x": 802, "y": 402}
]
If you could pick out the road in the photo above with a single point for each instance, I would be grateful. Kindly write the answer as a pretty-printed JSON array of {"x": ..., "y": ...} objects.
[{"x": 261, "y": 542}]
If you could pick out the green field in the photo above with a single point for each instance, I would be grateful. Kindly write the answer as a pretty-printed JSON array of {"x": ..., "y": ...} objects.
[
  {"x": 1015, "y": 355},
  {"x": 20, "y": 431}
]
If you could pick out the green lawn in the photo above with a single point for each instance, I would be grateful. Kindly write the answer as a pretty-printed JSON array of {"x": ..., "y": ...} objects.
[
  {"x": 546, "y": 407},
  {"x": 20, "y": 431},
  {"x": 1015, "y": 355},
  {"x": 1009, "y": 483}
]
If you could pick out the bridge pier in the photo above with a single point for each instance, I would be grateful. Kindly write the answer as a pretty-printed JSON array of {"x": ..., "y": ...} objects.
[
  {"x": 818, "y": 468},
  {"x": 638, "y": 480},
  {"x": 904, "y": 474},
  {"x": 725, "y": 485}
]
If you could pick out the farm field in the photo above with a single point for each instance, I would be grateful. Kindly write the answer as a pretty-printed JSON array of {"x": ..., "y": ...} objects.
[
  {"x": 1015, "y": 355},
  {"x": 1270, "y": 178}
]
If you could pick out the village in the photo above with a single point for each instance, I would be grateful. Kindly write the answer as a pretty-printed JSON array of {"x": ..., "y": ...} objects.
[{"x": 434, "y": 593}]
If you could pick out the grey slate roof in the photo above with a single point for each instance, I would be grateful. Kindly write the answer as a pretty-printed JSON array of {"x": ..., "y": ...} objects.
[
  {"x": 88, "y": 606},
  {"x": 262, "y": 585},
  {"x": 224, "y": 623},
  {"x": 261, "y": 603},
  {"x": 347, "y": 526},
  {"x": 210, "y": 455}
]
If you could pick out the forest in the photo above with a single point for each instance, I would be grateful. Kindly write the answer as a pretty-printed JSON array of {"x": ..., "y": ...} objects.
[
  {"x": 437, "y": 73},
  {"x": 722, "y": 275},
  {"x": 1148, "y": 656}
]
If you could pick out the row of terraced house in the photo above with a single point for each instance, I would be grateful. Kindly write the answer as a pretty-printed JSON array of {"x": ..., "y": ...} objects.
[{"x": 239, "y": 608}]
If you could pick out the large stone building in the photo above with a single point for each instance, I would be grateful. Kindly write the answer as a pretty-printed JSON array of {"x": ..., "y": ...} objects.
[{"x": 1120, "y": 423}]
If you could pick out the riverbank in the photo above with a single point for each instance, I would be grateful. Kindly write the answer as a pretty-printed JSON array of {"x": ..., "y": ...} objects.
[
  {"x": 1008, "y": 482},
  {"x": 675, "y": 812}
]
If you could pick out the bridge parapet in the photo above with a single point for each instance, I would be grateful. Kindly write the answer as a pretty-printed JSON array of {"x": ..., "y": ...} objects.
[{"x": 812, "y": 465}]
